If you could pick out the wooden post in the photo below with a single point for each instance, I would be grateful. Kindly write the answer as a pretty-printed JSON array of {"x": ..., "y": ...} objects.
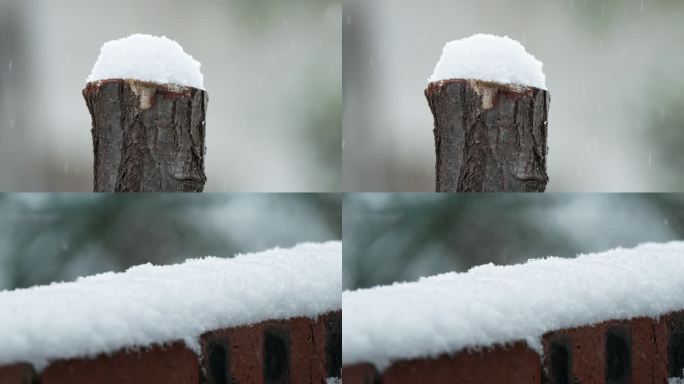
[
  {"x": 489, "y": 137},
  {"x": 147, "y": 137}
]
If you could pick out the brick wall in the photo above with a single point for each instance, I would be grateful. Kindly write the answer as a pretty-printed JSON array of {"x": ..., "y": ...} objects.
[
  {"x": 299, "y": 350},
  {"x": 638, "y": 351}
]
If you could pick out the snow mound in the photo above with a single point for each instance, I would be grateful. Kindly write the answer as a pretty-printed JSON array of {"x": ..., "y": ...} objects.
[
  {"x": 150, "y": 304},
  {"x": 147, "y": 58},
  {"x": 489, "y": 58},
  {"x": 491, "y": 305}
]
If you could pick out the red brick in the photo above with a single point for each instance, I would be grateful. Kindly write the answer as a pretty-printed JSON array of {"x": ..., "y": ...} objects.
[
  {"x": 359, "y": 374},
  {"x": 646, "y": 339},
  {"x": 586, "y": 347},
  {"x": 170, "y": 364},
  {"x": 675, "y": 343},
  {"x": 333, "y": 343},
  {"x": 511, "y": 364},
  {"x": 20, "y": 373},
  {"x": 244, "y": 348},
  {"x": 277, "y": 336},
  {"x": 305, "y": 344},
  {"x": 649, "y": 351},
  {"x": 648, "y": 348},
  {"x": 307, "y": 350}
]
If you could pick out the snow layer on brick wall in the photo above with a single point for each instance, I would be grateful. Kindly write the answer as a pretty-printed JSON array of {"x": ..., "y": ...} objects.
[
  {"x": 147, "y": 58},
  {"x": 490, "y": 58},
  {"x": 155, "y": 304},
  {"x": 490, "y": 305}
]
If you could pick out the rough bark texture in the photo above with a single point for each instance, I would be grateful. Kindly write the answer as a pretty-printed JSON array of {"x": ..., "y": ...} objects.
[
  {"x": 147, "y": 137},
  {"x": 489, "y": 137}
]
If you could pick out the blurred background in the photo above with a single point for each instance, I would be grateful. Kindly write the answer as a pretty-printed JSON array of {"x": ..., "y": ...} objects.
[
  {"x": 612, "y": 67},
  {"x": 54, "y": 237},
  {"x": 403, "y": 236},
  {"x": 272, "y": 70}
]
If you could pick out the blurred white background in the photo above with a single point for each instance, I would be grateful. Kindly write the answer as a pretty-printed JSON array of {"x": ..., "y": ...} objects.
[
  {"x": 272, "y": 70},
  {"x": 614, "y": 70}
]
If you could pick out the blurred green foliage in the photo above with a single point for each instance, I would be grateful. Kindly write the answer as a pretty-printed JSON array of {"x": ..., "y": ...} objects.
[
  {"x": 52, "y": 237},
  {"x": 397, "y": 237}
]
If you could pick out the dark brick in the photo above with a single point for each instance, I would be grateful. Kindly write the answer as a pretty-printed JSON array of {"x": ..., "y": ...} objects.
[
  {"x": 243, "y": 352},
  {"x": 649, "y": 350},
  {"x": 276, "y": 349},
  {"x": 515, "y": 364},
  {"x": 360, "y": 374},
  {"x": 618, "y": 354},
  {"x": 333, "y": 344},
  {"x": 307, "y": 350},
  {"x": 169, "y": 364},
  {"x": 675, "y": 344},
  {"x": 585, "y": 350},
  {"x": 20, "y": 373}
]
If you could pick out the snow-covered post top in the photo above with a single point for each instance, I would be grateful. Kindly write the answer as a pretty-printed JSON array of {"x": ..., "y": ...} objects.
[
  {"x": 490, "y": 105},
  {"x": 148, "y": 105}
]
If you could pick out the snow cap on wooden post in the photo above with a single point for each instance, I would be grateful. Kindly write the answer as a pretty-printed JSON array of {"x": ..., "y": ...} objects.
[
  {"x": 148, "y": 105},
  {"x": 490, "y": 105}
]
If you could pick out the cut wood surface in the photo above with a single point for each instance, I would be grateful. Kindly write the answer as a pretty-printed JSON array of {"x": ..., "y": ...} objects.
[
  {"x": 489, "y": 137},
  {"x": 147, "y": 137}
]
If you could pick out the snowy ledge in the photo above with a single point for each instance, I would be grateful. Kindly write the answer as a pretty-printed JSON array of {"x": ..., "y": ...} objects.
[
  {"x": 495, "y": 305},
  {"x": 147, "y": 58},
  {"x": 489, "y": 58},
  {"x": 149, "y": 304}
]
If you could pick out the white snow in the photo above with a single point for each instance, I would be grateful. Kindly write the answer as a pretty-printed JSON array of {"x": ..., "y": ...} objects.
[
  {"x": 333, "y": 380},
  {"x": 490, "y": 305},
  {"x": 675, "y": 380},
  {"x": 489, "y": 58},
  {"x": 147, "y": 58},
  {"x": 156, "y": 304}
]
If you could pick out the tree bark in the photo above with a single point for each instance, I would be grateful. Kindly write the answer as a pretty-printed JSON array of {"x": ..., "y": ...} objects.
[
  {"x": 489, "y": 137},
  {"x": 147, "y": 137}
]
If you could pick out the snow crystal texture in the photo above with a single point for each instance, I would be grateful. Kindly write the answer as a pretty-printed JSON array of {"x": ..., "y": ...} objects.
[
  {"x": 490, "y": 305},
  {"x": 489, "y": 58},
  {"x": 147, "y": 58},
  {"x": 150, "y": 304}
]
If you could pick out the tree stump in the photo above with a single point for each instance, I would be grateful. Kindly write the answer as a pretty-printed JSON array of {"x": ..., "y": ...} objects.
[
  {"x": 489, "y": 137},
  {"x": 147, "y": 137}
]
